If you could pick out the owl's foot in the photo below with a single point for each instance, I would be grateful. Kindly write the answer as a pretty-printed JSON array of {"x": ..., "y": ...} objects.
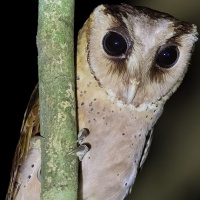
[
  {"x": 39, "y": 174},
  {"x": 83, "y": 133},
  {"x": 82, "y": 149}
]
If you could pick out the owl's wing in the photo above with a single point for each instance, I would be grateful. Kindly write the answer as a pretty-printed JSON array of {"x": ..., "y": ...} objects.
[{"x": 30, "y": 127}]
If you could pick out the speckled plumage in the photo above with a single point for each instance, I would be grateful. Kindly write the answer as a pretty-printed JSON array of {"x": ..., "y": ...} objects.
[
  {"x": 120, "y": 132},
  {"x": 120, "y": 98}
]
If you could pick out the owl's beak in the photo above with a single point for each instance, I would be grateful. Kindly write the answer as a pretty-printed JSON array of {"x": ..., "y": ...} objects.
[{"x": 132, "y": 90}]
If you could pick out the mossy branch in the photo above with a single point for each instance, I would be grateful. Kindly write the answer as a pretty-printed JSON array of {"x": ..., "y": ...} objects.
[{"x": 55, "y": 41}]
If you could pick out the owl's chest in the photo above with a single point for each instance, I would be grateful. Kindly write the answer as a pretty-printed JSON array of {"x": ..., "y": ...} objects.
[
  {"x": 109, "y": 119},
  {"x": 117, "y": 137}
]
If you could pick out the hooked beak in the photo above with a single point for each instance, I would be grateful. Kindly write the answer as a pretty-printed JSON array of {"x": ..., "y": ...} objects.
[{"x": 132, "y": 89}]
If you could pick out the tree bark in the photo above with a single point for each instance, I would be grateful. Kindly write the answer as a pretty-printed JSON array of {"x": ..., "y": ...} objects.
[{"x": 55, "y": 42}]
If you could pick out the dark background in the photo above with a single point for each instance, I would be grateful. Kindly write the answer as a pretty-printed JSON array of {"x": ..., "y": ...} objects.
[{"x": 172, "y": 169}]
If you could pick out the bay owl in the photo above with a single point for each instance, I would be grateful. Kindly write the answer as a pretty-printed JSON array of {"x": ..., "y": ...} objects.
[{"x": 130, "y": 60}]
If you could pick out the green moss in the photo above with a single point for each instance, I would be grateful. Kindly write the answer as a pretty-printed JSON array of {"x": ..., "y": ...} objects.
[{"x": 57, "y": 99}]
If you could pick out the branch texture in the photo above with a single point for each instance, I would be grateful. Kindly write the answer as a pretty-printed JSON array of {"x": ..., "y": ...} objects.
[{"x": 57, "y": 99}]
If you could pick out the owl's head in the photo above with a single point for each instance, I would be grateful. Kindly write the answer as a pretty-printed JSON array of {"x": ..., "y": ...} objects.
[{"x": 138, "y": 55}]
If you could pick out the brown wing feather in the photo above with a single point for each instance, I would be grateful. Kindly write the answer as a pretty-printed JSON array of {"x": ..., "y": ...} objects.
[{"x": 30, "y": 127}]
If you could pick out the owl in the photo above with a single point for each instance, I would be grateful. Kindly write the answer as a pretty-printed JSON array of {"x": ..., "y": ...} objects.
[{"x": 130, "y": 60}]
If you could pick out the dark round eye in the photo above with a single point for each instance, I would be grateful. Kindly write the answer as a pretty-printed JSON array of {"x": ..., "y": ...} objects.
[
  {"x": 167, "y": 57},
  {"x": 114, "y": 44}
]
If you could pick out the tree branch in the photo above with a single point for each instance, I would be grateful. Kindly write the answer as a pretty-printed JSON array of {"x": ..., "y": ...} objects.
[{"x": 57, "y": 99}]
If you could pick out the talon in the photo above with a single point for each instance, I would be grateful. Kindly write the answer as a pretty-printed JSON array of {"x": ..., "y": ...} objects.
[
  {"x": 80, "y": 151},
  {"x": 39, "y": 174},
  {"x": 83, "y": 133}
]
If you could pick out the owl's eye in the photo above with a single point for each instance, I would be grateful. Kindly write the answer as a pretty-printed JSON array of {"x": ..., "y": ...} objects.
[
  {"x": 168, "y": 57},
  {"x": 114, "y": 44}
]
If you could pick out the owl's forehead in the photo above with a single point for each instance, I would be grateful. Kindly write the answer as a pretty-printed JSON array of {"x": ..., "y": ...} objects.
[
  {"x": 137, "y": 15},
  {"x": 149, "y": 31},
  {"x": 142, "y": 22}
]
